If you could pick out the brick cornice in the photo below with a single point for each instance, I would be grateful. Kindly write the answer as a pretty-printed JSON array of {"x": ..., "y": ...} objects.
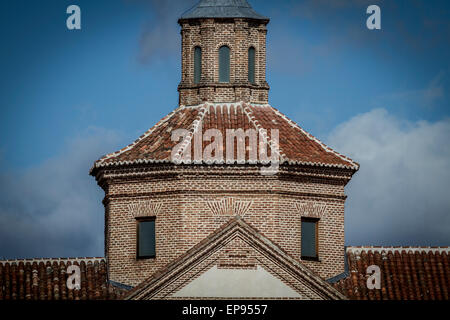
[
  {"x": 248, "y": 85},
  {"x": 151, "y": 172},
  {"x": 300, "y": 195}
]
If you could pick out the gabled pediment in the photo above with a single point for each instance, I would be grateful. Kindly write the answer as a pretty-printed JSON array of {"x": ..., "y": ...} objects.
[{"x": 235, "y": 261}]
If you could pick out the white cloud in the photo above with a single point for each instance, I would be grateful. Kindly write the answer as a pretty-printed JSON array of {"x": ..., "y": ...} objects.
[
  {"x": 55, "y": 209},
  {"x": 401, "y": 195}
]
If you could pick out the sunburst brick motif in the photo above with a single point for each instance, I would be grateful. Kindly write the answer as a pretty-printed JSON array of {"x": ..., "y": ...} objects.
[
  {"x": 229, "y": 207},
  {"x": 145, "y": 209},
  {"x": 311, "y": 209}
]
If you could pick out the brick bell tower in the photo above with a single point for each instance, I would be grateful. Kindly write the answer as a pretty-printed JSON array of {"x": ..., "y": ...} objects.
[
  {"x": 159, "y": 211},
  {"x": 223, "y": 53}
]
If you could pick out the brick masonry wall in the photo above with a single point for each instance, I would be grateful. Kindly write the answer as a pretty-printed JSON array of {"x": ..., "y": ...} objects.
[
  {"x": 190, "y": 202},
  {"x": 210, "y": 34}
]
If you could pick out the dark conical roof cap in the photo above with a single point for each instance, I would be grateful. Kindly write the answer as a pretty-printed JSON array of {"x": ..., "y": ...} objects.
[{"x": 222, "y": 9}]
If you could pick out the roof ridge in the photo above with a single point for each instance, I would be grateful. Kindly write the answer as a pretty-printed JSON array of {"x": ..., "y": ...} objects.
[
  {"x": 204, "y": 108},
  {"x": 263, "y": 132},
  {"x": 313, "y": 138}
]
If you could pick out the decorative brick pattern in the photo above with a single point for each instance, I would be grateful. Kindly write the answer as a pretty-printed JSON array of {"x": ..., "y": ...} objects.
[
  {"x": 229, "y": 207},
  {"x": 311, "y": 209},
  {"x": 236, "y": 255},
  {"x": 145, "y": 209}
]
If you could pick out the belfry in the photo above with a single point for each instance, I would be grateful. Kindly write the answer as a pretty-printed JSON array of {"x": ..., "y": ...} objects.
[{"x": 223, "y": 53}]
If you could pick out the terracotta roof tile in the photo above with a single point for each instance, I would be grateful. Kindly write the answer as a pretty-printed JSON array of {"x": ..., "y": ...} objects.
[
  {"x": 407, "y": 273},
  {"x": 45, "y": 279},
  {"x": 296, "y": 146}
]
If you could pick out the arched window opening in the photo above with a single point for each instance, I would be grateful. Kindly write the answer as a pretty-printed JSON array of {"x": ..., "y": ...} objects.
[
  {"x": 251, "y": 65},
  {"x": 197, "y": 64},
  {"x": 224, "y": 64}
]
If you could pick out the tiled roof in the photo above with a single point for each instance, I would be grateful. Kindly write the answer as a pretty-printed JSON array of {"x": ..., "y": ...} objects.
[
  {"x": 407, "y": 273},
  {"x": 296, "y": 146},
  {"x": 45, "y": 279},
  {"x": 222, "y": 9}
]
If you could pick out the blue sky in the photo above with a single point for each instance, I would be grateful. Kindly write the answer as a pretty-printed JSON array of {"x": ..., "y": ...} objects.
[{"x": 68, "y": 97}]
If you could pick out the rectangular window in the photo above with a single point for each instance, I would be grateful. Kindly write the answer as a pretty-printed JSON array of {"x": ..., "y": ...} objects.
[
  {"x": 146, "y": 242},
  {"x": 310, "y": 243}
]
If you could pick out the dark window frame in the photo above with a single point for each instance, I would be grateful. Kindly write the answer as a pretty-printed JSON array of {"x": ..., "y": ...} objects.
[
  {"x": 138, "y": 221},
  {"x": 316, "y": 221}
]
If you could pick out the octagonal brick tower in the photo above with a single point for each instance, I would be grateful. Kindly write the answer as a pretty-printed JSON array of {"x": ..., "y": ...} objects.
[
  {"x": 210, "y": 26},
  {"x": 191, "y": 200}
]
